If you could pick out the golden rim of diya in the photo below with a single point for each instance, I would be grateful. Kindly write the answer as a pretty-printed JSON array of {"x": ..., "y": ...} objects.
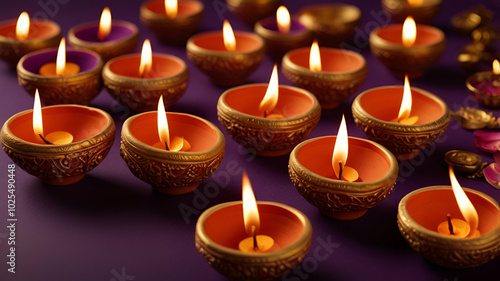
[
  {"x": 191, "y": 46},
  {"x": 251, "y": 11},
  {"x": 488, "y": 100},
  {"x": 448, "y": 251},
  {"x": 381, "y": 43}
]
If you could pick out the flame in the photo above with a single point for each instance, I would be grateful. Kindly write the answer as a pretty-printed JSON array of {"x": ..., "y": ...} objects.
[
  {"x": 162, "y": 123},
  {"x": 314, "y": 57},
  {"x": 415, "y": 3},
  {"x": 464, "y": 204},
  {"x": 283, "y": 19},
  {"x": 250, "y": 212},
  {"x": 171, "y": 8},
  {"x": 228, "y": 35},
  {"x": 61, "y": 58},
  {"x": 405, "y": 109},
  {"x": 146, "y": 59},
  {"x": 496, "y": 67},
  {"x": 270, "y": 99},
  {"x": 104, "y": 24},
  {"x": 409, "y": 32},
  {"x": 37, "y": 115},
  {"x": 341, "y": 148},
  {"x": 23, "y": 26}
]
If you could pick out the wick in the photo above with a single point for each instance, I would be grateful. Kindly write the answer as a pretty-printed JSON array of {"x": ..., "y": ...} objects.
[
  {"x": 44, "y": 139},
  {"x": 450, "y": 225},
  {"x": 340, "y": 170},
  {"x": 166, "y": 146},
  {"x": 255, "y": 246},
  {"x": 265, "y": 113}
]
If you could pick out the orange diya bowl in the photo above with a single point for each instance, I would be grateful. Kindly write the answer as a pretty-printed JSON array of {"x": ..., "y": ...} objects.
[
  {"x": 238, "y": 113},
  {"x": 93, "y": 133},
  {"x": 386, "y": 45},
  {"x": 374, "y": 109},
  {"x": 172, "y": 30},
  {"x": 43, "y": 34},
  {"x": 79, "y": 88},
  {"x": 250, "y": 11},
  {"x": 421, "y": 211},
  {"x": 168, "y": 77},
  {"x": 208, "y": 53},
  {"x": 310, "y": 169},
  {"x": 220, "y": 228},
  {"x": 171, "y": 172},
  {"x": 343, "y": 74}
]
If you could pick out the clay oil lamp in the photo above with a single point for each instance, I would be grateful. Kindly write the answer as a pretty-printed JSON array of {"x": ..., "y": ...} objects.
[
  {"x": 172, "y": 21},
  {"x": 61, "y": 76},
  {"x": 452, "y": 227},
  {"x": 109, "y": 38},
  {"x": 250, "y": 11},
  {"x": 25, "y": 35},
  {"x": 423, "y": 11},
  {"x": 331, "y": 24},
  {"x": 253, "y": 240},
  {"x": 342, "y": 176},
  {"x": 403, "y": 119},
  {"x": 485, "y": 86},
  {"x": 58, "y": 144},
  {"x": 227, "y": 57},
  {"x": 407, "y": 49},
  {"x": 173, "y": 152},
  {"x": 282, "y": 33},
  {"x": 268, "y": 120},
  {"x": 332, "y": 75},
  {"x": 138, "y": 80}
]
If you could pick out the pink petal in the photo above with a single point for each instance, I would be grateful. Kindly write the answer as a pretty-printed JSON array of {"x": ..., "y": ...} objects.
[
  {"x": 488, "y": 146},
  {"x": 491, "y": 177},
  {"x": 487, "y": 135}
]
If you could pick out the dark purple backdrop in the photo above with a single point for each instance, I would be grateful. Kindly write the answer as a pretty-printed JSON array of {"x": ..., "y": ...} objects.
[{"x": 111, "y": 226}]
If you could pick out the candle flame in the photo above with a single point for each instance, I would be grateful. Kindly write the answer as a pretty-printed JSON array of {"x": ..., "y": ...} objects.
[
  {"x": 283, "y": 19},
  {"x": 228, "y": 36},
  {"x": 37, "y": 115},
  {"x": 250, "y": 211},
  {"x": 23, "y": 26},
  {"x": 341, "y": 148},
  {"x": 415, "y": 3},
  {"x": 405, "y": 109},
  {"x": 465, "y": 205},
  {"x": 315, "y": 57},
  {"x": 163, "y": 132},
  {"x": 496, "y": 67},
  {"x": 61, "y": 58},
  {"x": 270, "y": 99},
  {"x": 146, "y": 59},
  {"x": 104, "y": 24},
  {"x": 409, "y": 32},
  {"x": 171, "y": 8}
]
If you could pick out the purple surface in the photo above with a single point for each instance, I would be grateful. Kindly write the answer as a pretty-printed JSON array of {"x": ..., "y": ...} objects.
[
  {"x": 295, "y": 26},
  {"x": 111, "y": 226},
  {"x": 89, "y": 33},
  {"x": 85, "y": 59}
]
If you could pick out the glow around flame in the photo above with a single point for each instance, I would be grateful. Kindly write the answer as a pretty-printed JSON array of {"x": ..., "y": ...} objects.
[
  {"x": 23, "y": 26},
  {"x": 104, "y": 24},
  {"x": 228, "y": 36},
  {"x": 270, "y": 99},
  {"x": 341, "y": 148},
  {"x": 162, "y": 123},
  {"x": 415, "y": 3},
  {"x": 496, "y": 67},
  {"x": 465, "y": 205},
  {"x": 146, "y": 58},
  {"x": 283, "y": 19},
  {"x": 315, "y": 57},
  {"x": 171, "y": 8},
  {"x": 61, "y": 58},
  {"x": 405, "y": 109},
  {"x": 37, "y": 115},
  {"x": 409, "y": 32},
  {"x": 250, "y": 211}
]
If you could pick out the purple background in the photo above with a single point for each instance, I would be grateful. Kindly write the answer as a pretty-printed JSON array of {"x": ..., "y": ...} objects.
[{"x": 112, "y": 223}]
